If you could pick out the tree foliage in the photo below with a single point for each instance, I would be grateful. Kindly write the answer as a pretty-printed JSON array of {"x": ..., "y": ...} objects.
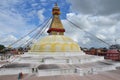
[{"x": 2, "y": 47}]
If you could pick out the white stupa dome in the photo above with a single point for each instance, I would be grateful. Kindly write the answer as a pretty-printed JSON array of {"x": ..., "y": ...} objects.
[{"x": 55, "y": 43}]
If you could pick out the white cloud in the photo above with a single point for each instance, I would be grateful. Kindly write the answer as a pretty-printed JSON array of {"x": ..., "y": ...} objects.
[
  {"x": 103, "y": 27},
  {"x": 40, "y": 15},
  {"x": 101, "y": 36},
  {"x": 95, "y": 7},
  {"x": 77, "y": 35},
  {"x": 8, "y": 3},
  {"x": 7, "y": 39},
  {"x": 13, "y": 25}
]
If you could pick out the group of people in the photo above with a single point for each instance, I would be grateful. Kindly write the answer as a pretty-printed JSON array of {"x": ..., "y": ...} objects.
[{"x": 34, "y": 70}]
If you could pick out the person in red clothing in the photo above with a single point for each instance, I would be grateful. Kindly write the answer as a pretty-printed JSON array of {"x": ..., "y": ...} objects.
[{"x": 20, "y": 76}]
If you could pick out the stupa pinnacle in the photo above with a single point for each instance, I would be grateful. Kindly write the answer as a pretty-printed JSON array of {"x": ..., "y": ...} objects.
[{"x": 56, "y": 27}]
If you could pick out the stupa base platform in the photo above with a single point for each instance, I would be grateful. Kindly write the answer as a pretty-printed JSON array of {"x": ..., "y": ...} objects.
[
  {"x": 50, "y": 64},
  {"x": 58, "y": 58}
]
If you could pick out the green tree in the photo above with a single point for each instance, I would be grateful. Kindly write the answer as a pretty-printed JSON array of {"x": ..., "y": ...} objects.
[{"x": 2, "y": 47}]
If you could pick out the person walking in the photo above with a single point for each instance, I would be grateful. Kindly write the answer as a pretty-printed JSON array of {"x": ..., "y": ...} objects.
[{"x": 20, "y": 76}]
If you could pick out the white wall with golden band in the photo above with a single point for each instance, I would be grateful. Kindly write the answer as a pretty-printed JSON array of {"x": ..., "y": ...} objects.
[{"x": 55, "y": 43}]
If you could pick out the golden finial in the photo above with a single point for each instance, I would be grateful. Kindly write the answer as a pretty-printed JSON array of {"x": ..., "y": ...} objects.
[{"x": 56, "y": 4}]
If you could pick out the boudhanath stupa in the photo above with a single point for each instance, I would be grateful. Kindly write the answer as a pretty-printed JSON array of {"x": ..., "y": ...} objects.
[{"x": 56, "y": 55}]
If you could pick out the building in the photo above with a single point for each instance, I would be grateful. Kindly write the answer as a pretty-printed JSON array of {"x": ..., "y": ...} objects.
[{"x": 113, "y": 54}]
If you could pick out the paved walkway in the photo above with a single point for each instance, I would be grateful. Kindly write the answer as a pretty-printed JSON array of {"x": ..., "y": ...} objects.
[{"x": 110, "y": 75}]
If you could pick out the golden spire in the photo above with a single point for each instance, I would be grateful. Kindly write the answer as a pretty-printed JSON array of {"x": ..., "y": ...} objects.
[{"x": 56, "y": 27}]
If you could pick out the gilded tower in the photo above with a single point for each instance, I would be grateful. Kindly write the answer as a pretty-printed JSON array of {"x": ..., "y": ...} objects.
[{"x": 56, "y": 27}]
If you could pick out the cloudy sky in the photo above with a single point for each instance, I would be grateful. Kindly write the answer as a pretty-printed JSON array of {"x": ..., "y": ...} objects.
[{"x": 100, "y": 18}]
